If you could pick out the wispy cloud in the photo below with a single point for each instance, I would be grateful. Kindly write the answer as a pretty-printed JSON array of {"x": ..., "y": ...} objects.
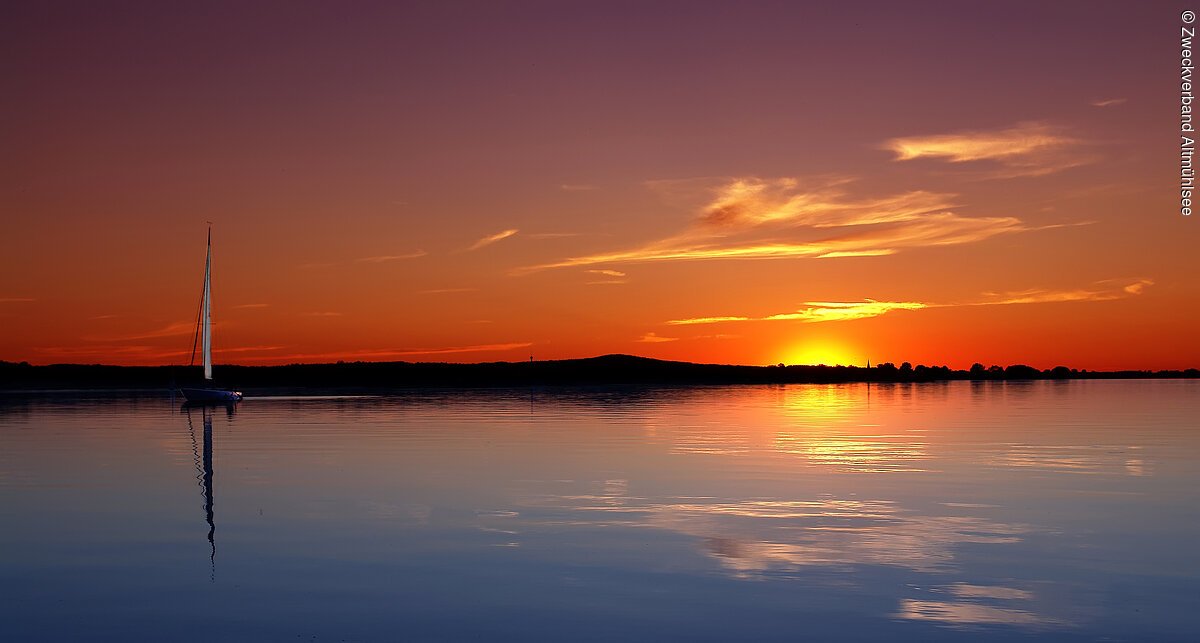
[
  {"x": 444, "y": 291},
  {"x": 933, "y": 230},
  {"x": 13, "y": 300},
  {"x": 818, "y": 311},
  {"x": 651, "y": 338},
  {"x": 374, "y": 259},
  {"x": 382, "y": 258},
  {"x": 709, "y": 320},
  {"x": 820, "y": 203},
  {"x": 386, "y": 353},
  {"x": 617, "y": 278},
  {"x": 139, "y": 352},
  {"x": 1027, "y": 149},
  {"x": 552, "y": 235},
  {"x": 577, "y": 187},
  {"x": 1100, "y": 291},
  {"x": 252, "y": 305},
  {"x": 321, "y": 313},
  {"x": 478, "y": 348},
  {"x": 823, "y": 311},
  {"x": 493, "y": 238},
  {"x": 108, "y": 353},
  {"x": 173, "y": 329},
  {"x": 752, "y": 218},
  {"x": 827, "y": 311},
  {"x": 248, "y": 349},
  {"x": 1107, "y": 102}
]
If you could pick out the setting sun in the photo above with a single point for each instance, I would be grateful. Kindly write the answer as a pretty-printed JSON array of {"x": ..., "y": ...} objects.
[{"x": 823, "y": 352}]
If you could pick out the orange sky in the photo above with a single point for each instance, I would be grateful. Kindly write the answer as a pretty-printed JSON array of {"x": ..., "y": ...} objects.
[{"x": 700, "y": 181}]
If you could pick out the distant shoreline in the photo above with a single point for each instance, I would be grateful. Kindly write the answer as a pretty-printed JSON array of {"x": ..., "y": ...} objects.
[{"x": 604, "y": 370}]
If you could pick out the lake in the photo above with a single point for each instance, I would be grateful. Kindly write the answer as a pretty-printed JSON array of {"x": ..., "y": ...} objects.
[{"x": 1045, "y": 510}]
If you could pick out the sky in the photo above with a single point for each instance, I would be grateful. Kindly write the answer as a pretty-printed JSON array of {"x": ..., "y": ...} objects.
[{"x": 727, "y": 182}]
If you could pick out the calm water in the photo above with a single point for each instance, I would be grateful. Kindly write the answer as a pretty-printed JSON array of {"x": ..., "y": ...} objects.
[{"x": 981, "y": 511}]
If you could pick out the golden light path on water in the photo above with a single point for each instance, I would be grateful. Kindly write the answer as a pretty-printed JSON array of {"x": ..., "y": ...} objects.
[{"x": 815, "y": 432}]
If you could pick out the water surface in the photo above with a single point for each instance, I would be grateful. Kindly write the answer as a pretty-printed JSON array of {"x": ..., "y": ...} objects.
[{"x": 949, "y": 511}]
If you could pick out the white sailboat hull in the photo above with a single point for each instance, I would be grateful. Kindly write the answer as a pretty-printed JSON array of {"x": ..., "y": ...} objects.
[{"x": 210, "y": 395}]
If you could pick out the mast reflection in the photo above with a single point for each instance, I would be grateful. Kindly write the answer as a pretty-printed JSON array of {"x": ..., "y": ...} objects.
[{"x": 203, "y": 457}]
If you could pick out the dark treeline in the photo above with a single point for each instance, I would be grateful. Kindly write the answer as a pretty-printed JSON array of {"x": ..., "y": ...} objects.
[{"x": 609, "y": 369}]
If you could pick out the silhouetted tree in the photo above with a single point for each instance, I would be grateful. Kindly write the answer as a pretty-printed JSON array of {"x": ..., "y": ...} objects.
[
  {"x": 1021, "y": 372},
  {"x": 978, "y": 372}
]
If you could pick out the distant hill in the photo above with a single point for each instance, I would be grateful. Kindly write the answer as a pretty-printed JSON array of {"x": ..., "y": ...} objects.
[{"x": 603, "y": 370}]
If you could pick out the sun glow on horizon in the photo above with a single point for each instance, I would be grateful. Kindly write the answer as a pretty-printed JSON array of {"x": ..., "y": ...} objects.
[{"x": 829, "y": 353}]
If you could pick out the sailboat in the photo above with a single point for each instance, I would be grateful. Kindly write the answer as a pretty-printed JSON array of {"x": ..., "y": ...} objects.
[{"x": 208, "y": 394}]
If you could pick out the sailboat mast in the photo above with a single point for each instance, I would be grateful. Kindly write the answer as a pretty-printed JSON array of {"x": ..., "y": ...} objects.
[{"x": 206, "y": 337}]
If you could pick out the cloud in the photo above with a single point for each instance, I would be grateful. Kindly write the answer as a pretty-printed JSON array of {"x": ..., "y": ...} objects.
[
  {"x": 110, "y": 351},
  {"x": 478, "y": 348},
  {"x": 553, "y": 235},
  {"x": 173, "y": 329},
  {"x": 493, "y": 238},
  {"x": 617, "y": 278},
  {"x": 400, "y": 352},
  {"x": 751, "y": 202},
  {"x": 1137, "y": 287},
  {"x": 321, "y": 314},
  {"x": 752, "y": 218},
  {"x": 383, "y": 258},
  {"x": 708, "y": 320},
  {"x": 826, "y": 311},
  {"x": 818, "y": 311},
  {"x": 251, "y": 305},
  {"x": 13, "y": 300},
  {"x": 823, "y": 311},
  {"x": 376, "y": 259},
  {"x": 1107, "y": 102},
  {"x": 933, "y": 230},
  {"x": 651, "y": 338},
  {"x": 1027, "y": 149},
  {"x": 138, "y": 352},
  {"x": 1100, "y": 291},
  {"x": 576, "y": 187},
  {"x": 247, "y": 349},
  {"x": 444, "y": 291}
]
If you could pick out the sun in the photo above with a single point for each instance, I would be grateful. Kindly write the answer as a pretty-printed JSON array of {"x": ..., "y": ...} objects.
[{"x": 823, "y": 352}]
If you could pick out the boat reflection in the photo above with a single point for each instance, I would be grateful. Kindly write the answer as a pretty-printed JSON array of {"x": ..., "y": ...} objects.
[{"x": 203, "y": 456}]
